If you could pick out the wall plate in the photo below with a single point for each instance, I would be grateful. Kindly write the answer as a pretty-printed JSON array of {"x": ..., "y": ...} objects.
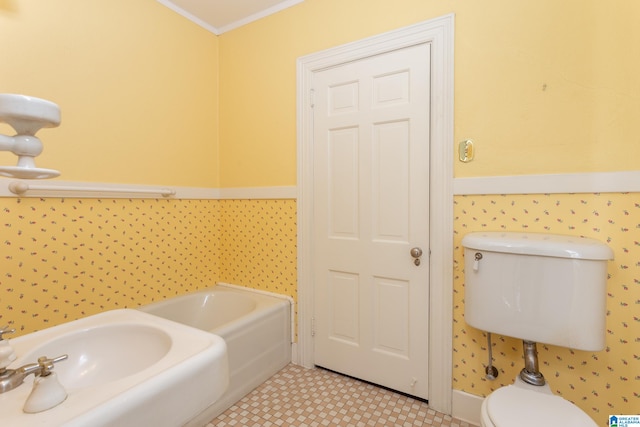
[{"x": 465, "y": 151}]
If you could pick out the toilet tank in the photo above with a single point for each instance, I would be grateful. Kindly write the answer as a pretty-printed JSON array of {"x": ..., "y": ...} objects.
[{"x": 538, "y": 287}]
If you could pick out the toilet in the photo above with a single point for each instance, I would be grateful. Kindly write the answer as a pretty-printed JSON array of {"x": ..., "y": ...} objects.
[{"x": 540, "y": 288}]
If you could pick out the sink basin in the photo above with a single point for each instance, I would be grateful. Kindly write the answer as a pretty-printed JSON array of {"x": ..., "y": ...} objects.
[
  {"x": 125, "y": 368},
  {"x": 104, "y": 353},
  {"x": 27, "y": 114}
]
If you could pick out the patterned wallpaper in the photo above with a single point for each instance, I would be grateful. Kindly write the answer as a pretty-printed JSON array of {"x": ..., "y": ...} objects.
[
  {"x": 62, "y": 259},
  {"x": 258, "y": 244},
  {"x": 601, "y": 383}
]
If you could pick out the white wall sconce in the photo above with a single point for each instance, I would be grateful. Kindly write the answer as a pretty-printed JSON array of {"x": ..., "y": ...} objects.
[{"x": 26, "y": 115}]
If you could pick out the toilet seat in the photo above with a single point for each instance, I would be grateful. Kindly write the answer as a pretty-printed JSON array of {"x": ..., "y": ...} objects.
[{"x": 512, "y": 406}]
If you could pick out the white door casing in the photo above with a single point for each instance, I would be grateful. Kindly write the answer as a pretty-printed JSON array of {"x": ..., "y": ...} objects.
[
  {"x": 371, "y": 207},
  {"x": 438, "y": 33}
]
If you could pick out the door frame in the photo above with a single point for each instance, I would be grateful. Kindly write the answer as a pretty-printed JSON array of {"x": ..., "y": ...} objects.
[{"x": 439, "y": 32}]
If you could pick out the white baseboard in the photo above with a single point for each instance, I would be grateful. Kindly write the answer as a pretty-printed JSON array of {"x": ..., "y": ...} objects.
[{"x": 466, "y": 407}]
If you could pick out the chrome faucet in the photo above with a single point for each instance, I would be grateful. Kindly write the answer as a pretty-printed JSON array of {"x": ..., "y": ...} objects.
[{"x": 12, "y": 378}]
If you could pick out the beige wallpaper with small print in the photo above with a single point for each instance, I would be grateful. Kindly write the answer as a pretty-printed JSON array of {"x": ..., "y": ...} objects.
[
  {"x": 63, "y": 259},
  {"x": 601, "y": 383}
]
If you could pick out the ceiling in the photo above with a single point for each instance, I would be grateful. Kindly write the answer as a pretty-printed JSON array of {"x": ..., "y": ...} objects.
[{"x": 219, "y": 16}]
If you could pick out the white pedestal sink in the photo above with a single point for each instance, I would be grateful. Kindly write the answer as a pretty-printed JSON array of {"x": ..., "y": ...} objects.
[{"x": 125, "y": 368}]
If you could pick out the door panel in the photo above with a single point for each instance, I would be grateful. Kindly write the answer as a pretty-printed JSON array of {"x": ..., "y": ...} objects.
[
  {"x": 391, "y": 317},
  {"x": 390, "y": 188},
  {"x": 343, "y": 318},
  {"x": 371, "y": 206},
  {"x": 343, "y": 181}
]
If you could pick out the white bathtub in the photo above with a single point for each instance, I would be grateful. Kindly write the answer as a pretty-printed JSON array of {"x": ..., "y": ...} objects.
[{"x": 256, "y": 326}]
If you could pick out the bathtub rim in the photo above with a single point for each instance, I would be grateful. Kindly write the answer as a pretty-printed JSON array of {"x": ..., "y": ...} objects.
[
  {"x": 228, "y": 287},
  {"x": 287, "y": 298}
]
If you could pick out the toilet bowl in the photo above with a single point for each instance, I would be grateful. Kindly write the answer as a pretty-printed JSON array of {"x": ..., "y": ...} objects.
[{"x": 520, "y": 405}]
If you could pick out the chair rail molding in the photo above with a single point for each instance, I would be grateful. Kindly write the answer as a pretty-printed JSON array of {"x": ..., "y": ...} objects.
[{"x": 593, "y": 182}]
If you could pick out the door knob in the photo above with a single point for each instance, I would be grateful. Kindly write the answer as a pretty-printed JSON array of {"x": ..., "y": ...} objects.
[{"x": 416, "y": 253}]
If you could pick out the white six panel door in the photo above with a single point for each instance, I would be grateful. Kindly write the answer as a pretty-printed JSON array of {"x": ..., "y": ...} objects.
[{"x": 371, "y": 207}]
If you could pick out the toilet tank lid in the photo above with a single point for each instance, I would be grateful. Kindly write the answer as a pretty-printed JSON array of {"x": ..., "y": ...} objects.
[{"x": 553, "y": 245}]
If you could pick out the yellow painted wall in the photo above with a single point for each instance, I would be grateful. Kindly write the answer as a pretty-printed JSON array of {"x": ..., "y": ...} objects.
[
  {"x": 137, "y": 85},
  {"x": 541, "y": 86},
  {"x": 138, "y": 88}
]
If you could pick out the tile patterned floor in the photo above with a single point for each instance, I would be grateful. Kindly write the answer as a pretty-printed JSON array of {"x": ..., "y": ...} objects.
[{"x": 302, "y": 397}]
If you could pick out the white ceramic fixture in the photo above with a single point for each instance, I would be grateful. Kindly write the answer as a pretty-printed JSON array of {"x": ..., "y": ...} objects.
[
  {"x": 539, "y": 288},
  {"x": 124, "y": 368},
  {"x": 26, "y": 115}
]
